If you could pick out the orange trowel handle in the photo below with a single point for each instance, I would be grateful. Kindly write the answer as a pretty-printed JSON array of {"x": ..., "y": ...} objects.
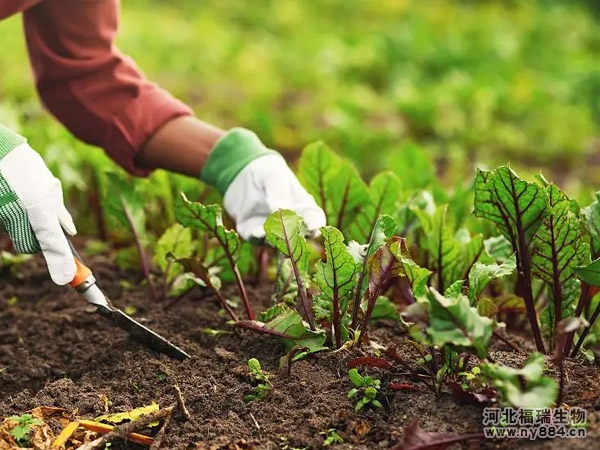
[{"x": 82, "y": 274}]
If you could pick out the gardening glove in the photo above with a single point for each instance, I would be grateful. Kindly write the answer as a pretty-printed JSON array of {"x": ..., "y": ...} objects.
[
  {"x": 32, "y": 211},
  {"x": 256, "y": 181}
]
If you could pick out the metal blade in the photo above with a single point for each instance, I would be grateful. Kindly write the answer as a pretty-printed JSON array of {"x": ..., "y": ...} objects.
[{"x": 141, "y": 333}]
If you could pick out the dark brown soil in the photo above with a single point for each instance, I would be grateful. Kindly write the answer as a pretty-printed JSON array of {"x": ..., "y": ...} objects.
[{"x": 55, "y": 351}]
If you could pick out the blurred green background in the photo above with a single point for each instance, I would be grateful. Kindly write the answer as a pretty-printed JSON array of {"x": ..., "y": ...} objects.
[{"x": 470, "y": 83}]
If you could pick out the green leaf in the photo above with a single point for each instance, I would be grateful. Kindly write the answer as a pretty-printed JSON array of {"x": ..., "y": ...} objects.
[
  {"x": 176, "y": 240},
  {"x": 592, "y": 216},
  {"x": 454, "y": 321},
  {"x": 486, "y": 307},
  {"x": 288, "y": 326},
  {"x": 384, "y": 229},
  {"x": 334, "y": 182},
  {"x": 194, "y": 266},
  {"x": 382, "y": 265},
  {"x": 482, "y": 274},
  {"x": 523, "y": 388},
  {"x": 384, "y": 309},
  {"x": 516, "y": 206},
  {"x": 589, "y": 273},
  {"x": 561, "y": 242},
  {"x": 452, "y": 253},
  {"x": 337, "y": 280},
  {"x": 124, "y": 203},
  {"x": 384, "y": 195},
  {"x": 208, "y": 219},
  {"x": 417, "y": 276},
  {"x": 285, "y": 230},
  {"x": 256, "y": 370},
  {"x": 498, "y": 248},
  {"x": 355, "y": 377}
]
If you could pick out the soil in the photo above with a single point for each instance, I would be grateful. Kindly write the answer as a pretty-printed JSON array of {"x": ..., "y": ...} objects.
[{"x": 56, "y": 351}]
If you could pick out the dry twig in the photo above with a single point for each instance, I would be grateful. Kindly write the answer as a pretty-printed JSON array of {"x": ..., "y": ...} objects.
[
  {"x": 181, "y": 403},
  {"x": 122, "y": 431}
]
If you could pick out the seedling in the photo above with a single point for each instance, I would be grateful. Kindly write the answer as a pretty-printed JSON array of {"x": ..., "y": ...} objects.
[
  {"x": 331, "y": 437},
  {"x": 263, "y": 386},
  {"x": 366, "y": 388},
  {"x": 22, "y": 431},
  {"x": 208, "y": 219}
]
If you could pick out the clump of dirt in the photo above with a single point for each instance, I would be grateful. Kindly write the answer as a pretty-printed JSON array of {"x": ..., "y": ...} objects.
[{"x": 56, "y": 351}]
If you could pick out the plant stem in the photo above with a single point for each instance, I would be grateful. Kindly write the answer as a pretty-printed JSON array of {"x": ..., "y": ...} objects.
[
  {"x": 337, "y": 319},
  {"x": 586, "y": 331},
  {"x": 301, "y": 288},
  {"x": 584, "y": 299},
  {"x": 140, "y": 249},
  {"x": 242, "y": 288},
  {"x": 524, "y": 290}
]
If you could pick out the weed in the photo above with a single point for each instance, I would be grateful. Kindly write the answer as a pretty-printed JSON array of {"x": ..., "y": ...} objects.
[
  {"x": 365, "y": 390},
  {"x": 263, "y": 386},
  {"x": 21, "y": 432}
]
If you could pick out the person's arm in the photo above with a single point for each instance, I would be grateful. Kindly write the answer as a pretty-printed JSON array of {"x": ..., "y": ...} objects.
[{"x": 102, "y": 97}]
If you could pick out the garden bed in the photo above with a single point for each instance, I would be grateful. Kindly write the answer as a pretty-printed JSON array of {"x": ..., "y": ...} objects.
[{"x": 56, "y": 352}]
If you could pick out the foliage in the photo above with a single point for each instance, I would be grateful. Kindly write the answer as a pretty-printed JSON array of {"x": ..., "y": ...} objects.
[
  {"x": 208, "y": 219},
  {"x": 23, "y": 428},
  {"x": 263, "y": 386},
  {"x": 331, "y": 437},
  {"x": 525, "y": 387},
  {"x": 365, "y": 390}
]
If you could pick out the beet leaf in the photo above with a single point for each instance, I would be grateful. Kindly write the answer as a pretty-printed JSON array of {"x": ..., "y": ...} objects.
[
  {"x": 560, "y": 243},
  {"x": 590, "y": 275},
  {"x": 384, "y": 194},
  {"x": 592, "y": 216},
  {"x": 337, "y": 280},
  {"x": 208, "y": 219},
  {"x": 518, "y": 208},
  {"x": 454, "y": 321},
  {"x": 206, "y": 277},
  {"x": 285, "y": 230},
  {"x": 451, "y": 253},
  {"x": 417, "y": 276},
  {"x": 522, "y": 388},
  {"x": 334, "y": 183},
  {"x": 482, "y": 274},
  {"x": 382, "y": 266},
  {"x": 383, "y": 230},
  {"x": 289, "y": 326},
  {"x": 176, "y": 240},
  {"x": 125, "y": 204}
]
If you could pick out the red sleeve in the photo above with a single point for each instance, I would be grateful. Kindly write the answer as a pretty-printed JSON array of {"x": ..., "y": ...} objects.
[
  {"x": 10, "y": 7},
  {"x": 88, "y": 85}
]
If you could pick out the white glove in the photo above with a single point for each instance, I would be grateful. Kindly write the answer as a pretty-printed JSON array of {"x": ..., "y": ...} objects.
[
  {"x": 265, "y": 185},
  {"x": 33, "y": 213}
]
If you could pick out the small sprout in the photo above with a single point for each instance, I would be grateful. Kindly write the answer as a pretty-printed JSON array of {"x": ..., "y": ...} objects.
[
  {"x": 331, "y": 437},
  {"x": 161, "y": 376},
  {"x": 264, "y": 385},
  {"x": 214, "y": 333},
  {"x": 130, "y": 310},
  {"x": 367, "y": 386},
  {"x": 23, "y": 429}
]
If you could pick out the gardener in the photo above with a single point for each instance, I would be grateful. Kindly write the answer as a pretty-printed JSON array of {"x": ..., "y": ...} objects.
[{"x": 104, "y": 100}]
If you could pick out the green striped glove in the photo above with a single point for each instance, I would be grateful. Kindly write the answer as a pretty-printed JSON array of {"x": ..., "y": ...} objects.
[
  {"x": 256, "y": 181},
  {"x": 32, "y": 210}
]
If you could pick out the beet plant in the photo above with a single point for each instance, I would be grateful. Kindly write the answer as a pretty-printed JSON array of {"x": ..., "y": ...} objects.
[{"x": 554, "y": 242}]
